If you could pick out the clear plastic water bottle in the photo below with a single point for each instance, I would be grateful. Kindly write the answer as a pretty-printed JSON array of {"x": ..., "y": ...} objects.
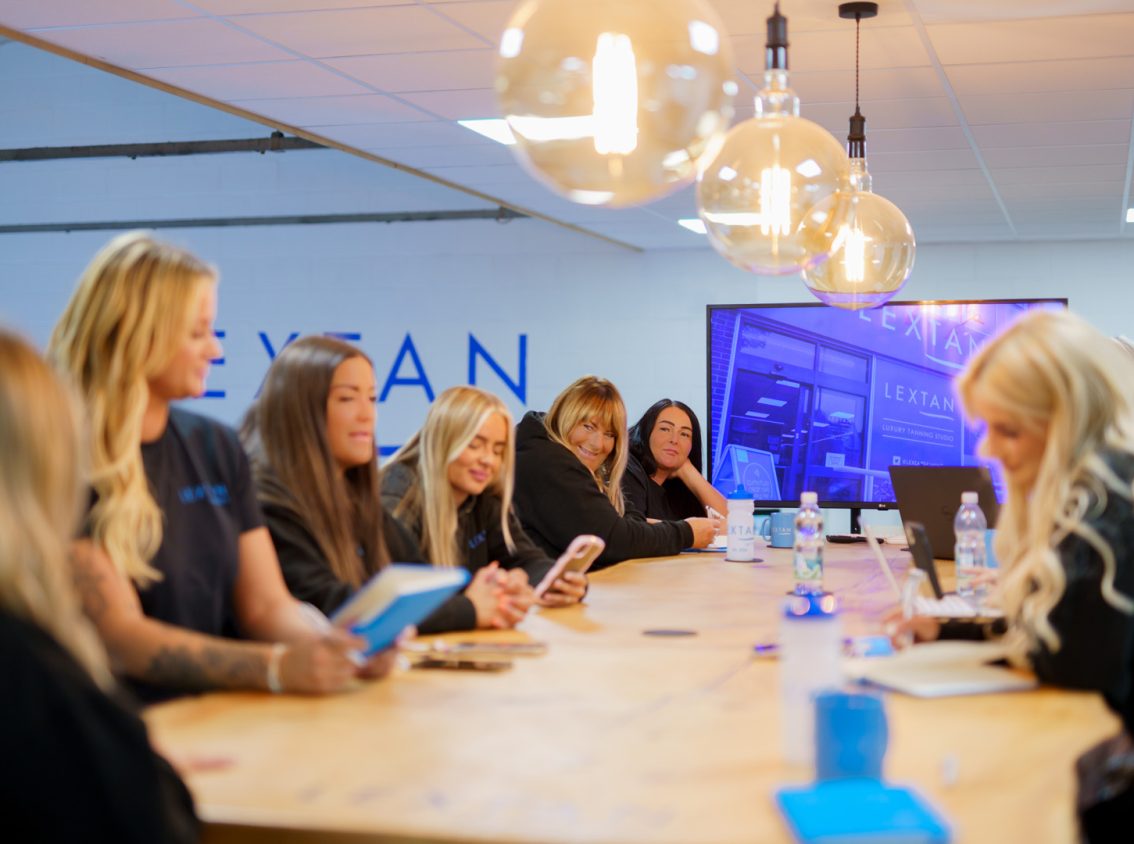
[
  {"x": 969, "y": 528},
  {"x": 810, "y": 662},
  {"x": 741, "y": 526},
  {"x": 808, "y": 557}
]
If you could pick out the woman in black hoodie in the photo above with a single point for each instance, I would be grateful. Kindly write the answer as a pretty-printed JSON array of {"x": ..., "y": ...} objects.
[{"x": 569, "y": 467}]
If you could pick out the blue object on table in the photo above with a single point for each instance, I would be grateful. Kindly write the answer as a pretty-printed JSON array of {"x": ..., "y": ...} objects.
[
  {"x": 850, "y": 735},
  {"x": 778, "y": 529},
  {"x": 989, "y": 554},
  {"x": 858, "y": 811}
]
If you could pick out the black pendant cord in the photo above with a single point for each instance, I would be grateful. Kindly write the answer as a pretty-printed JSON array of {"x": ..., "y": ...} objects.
[
  {"x": 856, "y": 140},
  {"x": 857, "y": 31}
]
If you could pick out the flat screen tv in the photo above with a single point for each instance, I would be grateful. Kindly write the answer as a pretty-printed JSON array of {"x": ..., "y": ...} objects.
[{"x": 810, "y": 397}]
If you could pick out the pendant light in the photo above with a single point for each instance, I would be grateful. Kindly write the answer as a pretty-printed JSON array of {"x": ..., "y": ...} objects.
[
  {"x": 769, "y": 174},
  {"x": 612, "y": 101},
  {"x": 870, "y": 240}
]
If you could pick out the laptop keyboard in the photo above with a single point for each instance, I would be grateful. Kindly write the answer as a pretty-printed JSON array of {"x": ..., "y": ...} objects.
[{"x": 952, "y": 606}]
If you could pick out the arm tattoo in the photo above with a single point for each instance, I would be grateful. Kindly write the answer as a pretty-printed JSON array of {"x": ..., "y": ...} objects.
[{"x": 208, "y": 667}]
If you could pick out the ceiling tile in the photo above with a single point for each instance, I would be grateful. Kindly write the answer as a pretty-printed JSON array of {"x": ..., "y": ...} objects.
[
  {"x": 22, "y": 14},
  {"x": 1112, "y": 174},
  {"x": 260, "y": 81},
  {"x": 456, "y": 105},
  {"x": 165, "y": 44},
  {"x": 372, "y": 136},
  {"x": 1060, "y": 186},
  {"x": 398, "y": 72},
  {"x": 1056, "y": 156},
  {"x": 317, "y": 112},
  {"x": 1040, "y": 108},
  {"x": 463, "y": 155},
  {"x": 487, "y": 18},
  {"x": 1044, "y": 39},
  {"x": 886, "y": 114},
  {"x": 1096, "y": 74},
  {"x": 883, "y": 47},
  {"x": 240, "y": 7},
  {"x": 355, "y": 32},
  {"x": 877, "y": 84},
  {"x": 1052, "y": 134}
]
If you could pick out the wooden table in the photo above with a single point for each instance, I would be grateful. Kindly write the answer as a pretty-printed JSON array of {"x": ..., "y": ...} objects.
[{"x": 615, "y": 736}]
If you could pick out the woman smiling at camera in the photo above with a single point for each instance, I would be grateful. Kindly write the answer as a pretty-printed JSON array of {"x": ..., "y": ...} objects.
[
  {"x": 452, "y": 486},
  {"x": 177, "y": 550},
  {"x": 569, "y": 468},
  {"x": 663, "y": 477}
]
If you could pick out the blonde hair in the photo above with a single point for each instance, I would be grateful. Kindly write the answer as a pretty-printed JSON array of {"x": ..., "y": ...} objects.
[
  {"x": 591, "y": 397},
  {"x": 130, "y": 311},
  {"x": 41, "y": 502},
  {"x": 1059, "y": 377},
  {"x": 285, "y": 433},
  {"x": 451, "y": 424}
]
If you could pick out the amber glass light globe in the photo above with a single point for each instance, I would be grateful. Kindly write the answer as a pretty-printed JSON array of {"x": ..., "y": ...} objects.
[
  {"x": 870, "y": 241},
  {"x": 612, "y": 101},
  {"x": 768, "y": 175}
]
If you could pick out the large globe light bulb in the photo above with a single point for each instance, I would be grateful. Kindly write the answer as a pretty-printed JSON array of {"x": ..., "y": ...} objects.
[
  {"x": 612, "y": 101},
  {"x": 870, "y": 242},
  {"x": 767, "y": 176}
]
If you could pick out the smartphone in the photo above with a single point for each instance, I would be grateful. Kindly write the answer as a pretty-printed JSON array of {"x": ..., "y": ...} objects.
[
  {"x": 578, "y": 557},
  {"x": 490, "y": 649},
  {"x": 922, "y": 553},
  {"x": 458, "y": 664}
]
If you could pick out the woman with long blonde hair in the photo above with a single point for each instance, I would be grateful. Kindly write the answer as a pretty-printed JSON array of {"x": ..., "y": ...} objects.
[
  {"x": 64, "y": 736},
  {"x": 1057, "y": 401},
  {"x": 451, "y": 484},
  {"x": 310, "y": 436},
  {"x": 569, "y": 467},
  {"x": 176, "y": 550}
]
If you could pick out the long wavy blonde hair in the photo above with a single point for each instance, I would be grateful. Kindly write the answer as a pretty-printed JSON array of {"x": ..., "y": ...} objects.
[
  {"x": 130, "y": 311},
  {"x": 285, "y": 434},
  {"x": 451, "y": 424},
  {"x": 1053, "y": 372},
  {"x": 591, "y": 397},
  {"x": 41, "y": 502}
]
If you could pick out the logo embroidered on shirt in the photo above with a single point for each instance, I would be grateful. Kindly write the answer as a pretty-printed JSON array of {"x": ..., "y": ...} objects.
[
  {"x": 478, "y": 539},
  {"x": 215, "y": 494}
]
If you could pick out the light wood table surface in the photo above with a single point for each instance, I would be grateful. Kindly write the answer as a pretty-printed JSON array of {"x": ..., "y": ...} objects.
[{"x": 615, "y": 736}]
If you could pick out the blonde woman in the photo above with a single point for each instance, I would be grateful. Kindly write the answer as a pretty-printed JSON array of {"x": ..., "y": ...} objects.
[
  {"x": 310, "y": 436},
  {"x": 569, "y": 468},
  {"x": 452, "y": 486},
  {"x": 66, "y": 741},
  {"x": 176, "y": 550},
  {"x": 1057, "y": 401}
]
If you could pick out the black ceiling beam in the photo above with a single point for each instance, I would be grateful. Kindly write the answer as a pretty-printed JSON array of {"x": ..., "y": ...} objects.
[
  {"x": 276, "y": 142},
  {"x": 500, "y": 215}
]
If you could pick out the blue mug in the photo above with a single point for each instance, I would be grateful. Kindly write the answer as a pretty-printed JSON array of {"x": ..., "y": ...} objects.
[
  {"x": 778, "y": 529},
  {"x": 850, "y": 736}
]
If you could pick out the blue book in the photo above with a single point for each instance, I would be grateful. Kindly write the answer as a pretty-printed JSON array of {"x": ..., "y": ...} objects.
[
  {"x": 398, "y": 596},
  {"x": 860, "y": 810}
]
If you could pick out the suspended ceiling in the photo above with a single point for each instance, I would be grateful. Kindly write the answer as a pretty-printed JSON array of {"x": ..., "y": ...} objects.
[{"x": 987, "y": 119}]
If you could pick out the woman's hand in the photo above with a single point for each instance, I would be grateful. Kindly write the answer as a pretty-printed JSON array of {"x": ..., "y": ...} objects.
[
  {"x": 516, "y": 598},
  {"x": 320, "y": 664},
  {"x": 484, "y": 593},
  {"x": 705, "y": 530},
  {"x": 919, "y": 628},
  {"x": 569, "y": 588}
]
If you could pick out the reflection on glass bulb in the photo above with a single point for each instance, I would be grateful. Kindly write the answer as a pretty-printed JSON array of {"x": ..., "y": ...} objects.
[
  {"x": 854, "y": 252},
  {"x": 615, "y": 87},
  {"x": 614, "y": 103},
  {"x": 775, "y": 201}
]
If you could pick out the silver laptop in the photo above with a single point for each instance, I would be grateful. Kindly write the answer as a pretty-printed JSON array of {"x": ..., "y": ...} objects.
[{"x": 932, "y": 495}]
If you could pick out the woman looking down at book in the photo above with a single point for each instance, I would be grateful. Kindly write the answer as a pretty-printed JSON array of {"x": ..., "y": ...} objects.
[
  {"x": 569, "y": 468},
  {"x": 1057, "y": 401},
  {"x": 310, "y": 437},
  {"x": 452, "y": 485},
  {"x": 175, "y": 551},
  {"x": 78, "y": 765},
  {"x": 663, "y": 477}
]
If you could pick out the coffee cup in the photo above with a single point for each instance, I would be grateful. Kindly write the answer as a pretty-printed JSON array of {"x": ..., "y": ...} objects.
[{"x": 778, "y": 529}]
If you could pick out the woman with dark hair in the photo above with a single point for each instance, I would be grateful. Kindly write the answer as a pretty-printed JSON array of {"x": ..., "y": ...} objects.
[
  {"x": 663, "y": 477},
  {"x": 569, "y": 469}
]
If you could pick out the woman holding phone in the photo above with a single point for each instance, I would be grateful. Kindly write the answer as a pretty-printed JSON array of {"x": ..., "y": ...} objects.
[
  {"x": 78, "y": 765},
  {"x": 451, "y": 483},
  {"x": 663, "y": 477},
  {"x": 569, "y": 468},
  {"x": 1057, "y": 401},
  {"x": 176, "y": 552}
]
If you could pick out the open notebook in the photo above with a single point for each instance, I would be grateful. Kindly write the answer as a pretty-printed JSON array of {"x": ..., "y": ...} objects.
[{"x": 941, "y": 669}]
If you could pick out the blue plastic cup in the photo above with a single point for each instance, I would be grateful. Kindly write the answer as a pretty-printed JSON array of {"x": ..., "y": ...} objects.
[{"x": 850, "y": 736}]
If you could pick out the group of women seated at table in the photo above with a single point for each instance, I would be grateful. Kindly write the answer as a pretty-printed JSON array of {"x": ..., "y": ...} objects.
[{"x": 208, "y": 559}]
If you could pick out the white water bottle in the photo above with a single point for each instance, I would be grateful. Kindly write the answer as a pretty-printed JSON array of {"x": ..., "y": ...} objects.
[
  {"x": 810, "y": 662},
  {"x": 741, "y": 527},
  {"x": 969, "y": 528},
  {"x": 808, "y": 552}
]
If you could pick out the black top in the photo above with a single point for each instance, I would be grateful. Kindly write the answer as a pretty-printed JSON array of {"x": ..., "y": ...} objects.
[
  {"x": 670, "y": 501},
  {"x": 1096, "y": 639},
  {"x": 200, "y": 477},
  {"x": 77, "y": 765},
  {"x": 305, "y": 568},
  {"x": 479, "y": 534},
  {"x": 557, "y": 499}
]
